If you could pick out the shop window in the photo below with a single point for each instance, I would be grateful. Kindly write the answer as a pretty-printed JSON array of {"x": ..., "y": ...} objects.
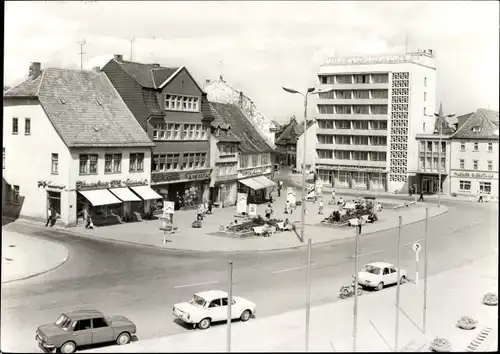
[
  {"x": 112, "y": 163},
  {"x": 54, "y": 201},
  {"x": 485, "y": 187},
  {"x": 136, "y": 162},
  {"x": 344, "y": 177},
  {"x": 88, "y": 164},
  {"x": 465, "y": 185},
  {"x": 55, "y": 164}
]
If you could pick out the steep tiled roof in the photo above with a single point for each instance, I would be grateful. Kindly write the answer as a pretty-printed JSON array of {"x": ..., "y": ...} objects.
[
  {"x": 251, "y": 140},
  {"x": 447, "y": 128},
  {"x": 147, "y": 75},
  {"x": 292, "y": 132},
  {"x": 485, "y": 119},
  {"x": 27, "y": 88},
  {"x": 86, "y": 110}
]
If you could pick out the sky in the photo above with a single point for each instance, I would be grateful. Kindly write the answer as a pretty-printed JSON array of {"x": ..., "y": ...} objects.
[{"x": 260, "y": 46}]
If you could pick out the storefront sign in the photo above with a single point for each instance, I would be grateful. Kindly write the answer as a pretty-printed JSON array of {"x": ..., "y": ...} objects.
[
  {"x": 254, "y": 171},
  {"x": 226, "y": 178},
  {"x": 241, "y": 205},
  {"x": 351, "y": 168},
  {"x": 198, "y": 176},
  {"x": 252, "y": 209},
  {"x": 369, "y": 60},
  {"x": 165, "y": 176},
  {"x": 168, "y": 207},
  {"x": 115, "y": 183},
  {"x": 474, "y": 175},
  {"x": 49, "y": 184}
]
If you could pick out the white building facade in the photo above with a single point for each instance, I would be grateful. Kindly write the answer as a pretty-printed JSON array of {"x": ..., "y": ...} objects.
[
  {"x": 366, "y": 126},
  {"x": 50, "y": 163}
]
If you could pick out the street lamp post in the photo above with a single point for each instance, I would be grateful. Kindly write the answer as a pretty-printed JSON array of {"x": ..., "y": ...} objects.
[
  {"x": 440, "y": 117},
  {"x": 310, "y": 90}
]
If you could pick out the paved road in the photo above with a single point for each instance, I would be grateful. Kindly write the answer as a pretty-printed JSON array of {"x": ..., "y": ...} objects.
[{"x": 144, "y": 283}]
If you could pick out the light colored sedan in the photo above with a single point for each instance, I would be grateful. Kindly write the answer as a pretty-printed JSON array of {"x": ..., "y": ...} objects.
[
  {"x": 378, "y": 274},
  {"x": 211, "y": 306}
]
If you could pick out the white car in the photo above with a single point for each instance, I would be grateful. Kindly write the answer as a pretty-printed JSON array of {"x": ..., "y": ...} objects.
[
  {"x": 378, "y": 274},
  {"x": 211, "y": 306}
]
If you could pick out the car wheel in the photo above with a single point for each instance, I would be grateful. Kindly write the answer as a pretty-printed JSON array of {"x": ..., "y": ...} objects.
[
  {"x": 204, "y": 323},
  {"x": 360, "y": 291},
  {"x": 123, "y": 338},
  {"x": 402, "y": 280},
  {"x": 245, "y": 316},
  {"x": 68, "y": 347},
  {"x": 380, "y": 286}
]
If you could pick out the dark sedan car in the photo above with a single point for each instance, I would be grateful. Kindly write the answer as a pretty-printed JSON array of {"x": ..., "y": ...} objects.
[{"x": 83, "y": 327}]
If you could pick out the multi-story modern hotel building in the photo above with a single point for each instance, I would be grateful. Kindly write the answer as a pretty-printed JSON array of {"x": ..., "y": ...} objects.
[{"x": 367, "y": 125}]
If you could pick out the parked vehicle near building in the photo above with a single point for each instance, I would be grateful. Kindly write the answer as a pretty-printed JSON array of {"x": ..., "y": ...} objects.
[{"x": 379, "y": 274}]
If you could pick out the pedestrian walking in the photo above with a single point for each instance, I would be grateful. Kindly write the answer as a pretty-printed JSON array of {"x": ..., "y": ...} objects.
[
  {"x": 320, "y": 210},
  {"x": 49, "y": 215},
  {"x": 199, "y": 212},
  {"x": 421, "y": 199},
  {"x": 292, "y": 208},
  {"x": 269, "y": 211},
  {"x": 333, "y": 195},
  {"x": 287, "y": 207},
  {"x": 480, "y": 197}
]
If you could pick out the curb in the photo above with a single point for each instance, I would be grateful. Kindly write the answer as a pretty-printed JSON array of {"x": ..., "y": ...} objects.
[
  {"x": 44, "y": 271},
  {"x": 293, "y": 248}
]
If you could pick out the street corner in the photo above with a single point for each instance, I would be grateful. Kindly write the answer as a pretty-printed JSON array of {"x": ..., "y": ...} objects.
[{"x": 25, "y": 256}]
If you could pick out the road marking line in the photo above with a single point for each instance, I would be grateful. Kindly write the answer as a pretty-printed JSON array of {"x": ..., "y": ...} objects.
[
  {"x": 195, "y": 284},
  {"x": 368, "y": 253},
  {"x": 289, "y": 270}
]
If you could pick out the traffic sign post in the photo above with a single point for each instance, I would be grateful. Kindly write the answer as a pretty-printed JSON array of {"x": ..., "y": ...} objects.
[{"x": 417, "y": 248}]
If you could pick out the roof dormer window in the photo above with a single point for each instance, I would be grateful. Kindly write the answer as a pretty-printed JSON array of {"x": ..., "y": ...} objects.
[{"x": 476, "y": 129}]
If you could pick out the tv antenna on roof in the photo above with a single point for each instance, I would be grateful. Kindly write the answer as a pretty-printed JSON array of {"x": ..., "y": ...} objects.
[{"x": 82, "y": 43}]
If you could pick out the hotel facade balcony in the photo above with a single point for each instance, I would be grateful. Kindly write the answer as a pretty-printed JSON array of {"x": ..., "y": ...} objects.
[
  {"x": 363, "y": 132},
  {"x": 352, "y": 162},
  {"x": 368, "y": 86},
  {"x": 353, "y": 147},
  {"x": 354, "y": 101},
  {"x": 327, "y": 116}
]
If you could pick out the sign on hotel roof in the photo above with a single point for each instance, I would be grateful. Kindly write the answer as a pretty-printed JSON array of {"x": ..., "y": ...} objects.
[{"x": 385, "y": 59}]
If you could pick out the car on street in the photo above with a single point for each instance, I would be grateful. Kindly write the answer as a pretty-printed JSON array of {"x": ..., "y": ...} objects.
[
  {"x": 83, "y": 327},
  {"x": 379, "y": 274},
  {"x": 210, "y": 306}
]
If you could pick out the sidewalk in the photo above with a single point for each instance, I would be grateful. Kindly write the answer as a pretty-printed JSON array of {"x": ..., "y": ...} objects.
[
  {"x": 449, "y": 297},
  {"x": 207, "y": 239},
  {"x": 24, "y": 256}
]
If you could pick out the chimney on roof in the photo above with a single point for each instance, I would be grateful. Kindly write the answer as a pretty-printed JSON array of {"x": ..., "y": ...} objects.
[
  {"x": 155, "y": 64},
  {"x": 118, "y": 57},
  {"x": 207, "y": 81},
  {"x": 35, "y": 70},
  {"x": 240, "y": 99},
  {"x": 97, "y": 69}
]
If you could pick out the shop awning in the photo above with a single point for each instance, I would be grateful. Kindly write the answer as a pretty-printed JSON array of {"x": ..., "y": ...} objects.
[
  {"x": 100, "y": 197},
  {"x": 265, "y": 181},
  {"x": 125, "y": 194},
  {"x": 250, "y": 182},
  {"x": 146, "y": 192}
]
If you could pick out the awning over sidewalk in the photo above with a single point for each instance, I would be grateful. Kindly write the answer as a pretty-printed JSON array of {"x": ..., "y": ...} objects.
[
  {"x": 265, "y": 181},
  {"x": 100, "y": 197},
  {"x": 250, "y": 182},
  {"x": 146, "y": 192},
  {"x": 125, "y": 194}
]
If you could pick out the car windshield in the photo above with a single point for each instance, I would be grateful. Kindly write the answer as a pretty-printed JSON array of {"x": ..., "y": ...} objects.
[
  {"x": 372, "y": 269},
  {"x": 63, "y": 322},
  {"x": 197, "y": 301}
]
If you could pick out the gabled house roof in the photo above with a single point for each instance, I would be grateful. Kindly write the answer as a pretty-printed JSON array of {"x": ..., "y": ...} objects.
[
  {"x": 84, "y": 108},
  {"x": 147, "y": 75},
  {"x": 222, "y": 131},
  {"x": 243, "y": 128},
  {"x": 27, "y": 88},
  {"x": 292, "y": 132},
  {"x": 483, "y": 120}
]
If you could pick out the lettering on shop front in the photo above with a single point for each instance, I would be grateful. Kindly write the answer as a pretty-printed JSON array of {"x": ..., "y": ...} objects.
[
  {"x": 197, "y": 176},
  {"x": 116, "y": 183},
  {"x": 165, "y": 176},
  {"x": 474, "y": 175},
  {"x": 49, "y": 184},
  {"x": 253, "y": 172}
]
